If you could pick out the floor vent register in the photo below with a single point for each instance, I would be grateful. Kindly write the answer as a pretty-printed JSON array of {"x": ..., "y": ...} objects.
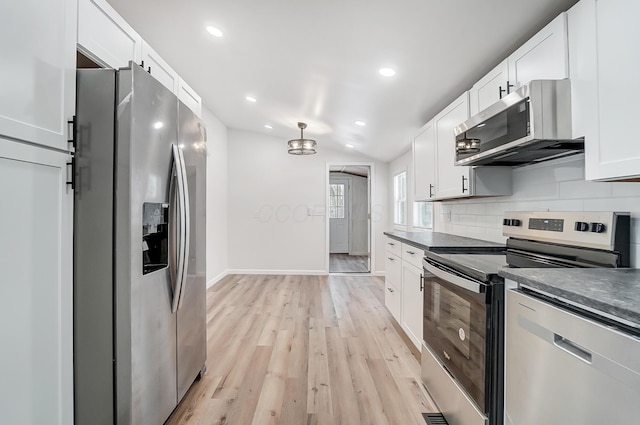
[{"x": 435, "y": 419}]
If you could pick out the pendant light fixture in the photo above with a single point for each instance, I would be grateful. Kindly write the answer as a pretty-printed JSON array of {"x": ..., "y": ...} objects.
[{"x": 302, "y": 146}]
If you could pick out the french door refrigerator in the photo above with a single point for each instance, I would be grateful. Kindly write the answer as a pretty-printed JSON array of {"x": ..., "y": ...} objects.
[{"x": 139, "y": 249}]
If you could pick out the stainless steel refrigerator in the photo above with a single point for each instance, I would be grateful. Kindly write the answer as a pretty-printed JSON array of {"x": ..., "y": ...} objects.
[{"x": 139, "y": 249}]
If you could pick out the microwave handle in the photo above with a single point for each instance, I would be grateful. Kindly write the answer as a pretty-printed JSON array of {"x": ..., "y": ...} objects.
[{"x": 463, "y": 283}]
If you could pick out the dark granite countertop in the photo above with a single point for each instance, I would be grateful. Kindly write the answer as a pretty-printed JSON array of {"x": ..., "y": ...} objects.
[
  {"x": 443, "y": 242},
  {"x": 612, "y": 293}
]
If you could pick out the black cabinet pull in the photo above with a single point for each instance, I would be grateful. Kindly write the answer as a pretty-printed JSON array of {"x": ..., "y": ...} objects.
[
  {"x": 71, "y": 180},
  {"x": 464, "y": 189},
  {"x": 142, "y": 64},
  {"x": 421, "y": 282},
  {"x": 501, "y": 91},
  {"x": 149, "y": 70},
  {"x": 73, "y": 131},
  {"x": 509, "y": 87},
  {"x": 431, "y": 191}
]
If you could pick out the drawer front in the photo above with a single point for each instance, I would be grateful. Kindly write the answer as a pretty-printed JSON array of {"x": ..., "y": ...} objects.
[
  {"x": 393, "y": 270},
  {"x": 412, "y": 255},
  {"x": 393, "y": 300},
  {"x": 394, "y": 247}
]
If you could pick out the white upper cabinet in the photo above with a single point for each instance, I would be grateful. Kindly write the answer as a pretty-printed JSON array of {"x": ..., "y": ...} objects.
[
  {"x": 158, "y": 68},
  {"x": 605, "y": 64},
  {"x": 189, "y": 97},
  {"x": 543, "y": 57},
  {"x": 38, "y": 51},
  {"x": 490, "y": 88},
  {"x": 451, "y": 181},
  {"x": 424, "y": 165},
  {"x": 105, "y": 37}
]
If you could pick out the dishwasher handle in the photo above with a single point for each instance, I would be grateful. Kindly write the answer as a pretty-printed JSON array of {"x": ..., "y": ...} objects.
[{"x": 572, "y": 348}]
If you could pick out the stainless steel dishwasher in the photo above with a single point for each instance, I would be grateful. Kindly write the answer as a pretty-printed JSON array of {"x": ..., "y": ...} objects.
[{"x": 566, "y": 368}]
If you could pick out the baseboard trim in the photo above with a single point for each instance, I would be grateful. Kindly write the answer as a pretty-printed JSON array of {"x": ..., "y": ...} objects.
[
  {"x": 277, "y": 272},
  {"x": 217, "y": 278}
]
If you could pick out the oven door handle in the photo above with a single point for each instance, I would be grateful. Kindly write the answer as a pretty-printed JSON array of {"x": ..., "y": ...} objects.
[{"x": 467, "y": 284}]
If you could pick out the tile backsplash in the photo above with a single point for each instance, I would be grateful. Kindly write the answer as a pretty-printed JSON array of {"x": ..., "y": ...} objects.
[{"x": 551, "y": 186}]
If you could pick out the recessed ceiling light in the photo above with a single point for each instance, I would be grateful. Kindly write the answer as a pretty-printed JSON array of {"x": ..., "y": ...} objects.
[
  {"x": 269, "y": 126},
  {"x": 360, "y": 123},
  {"x": 251, "y": 99},
  {"x": 350, "y": 146},
  {"x": 158, "y": 125},
  {"x": 214, "y": 31},
  {"x": 387, "y": 72}
]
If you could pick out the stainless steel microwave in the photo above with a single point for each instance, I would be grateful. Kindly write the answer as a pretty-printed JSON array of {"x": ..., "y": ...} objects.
[{"x": 531, "y": 124}]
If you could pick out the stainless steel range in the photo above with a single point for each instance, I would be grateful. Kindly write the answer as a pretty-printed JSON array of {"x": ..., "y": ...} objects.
[{"x": 464, "y": 303}]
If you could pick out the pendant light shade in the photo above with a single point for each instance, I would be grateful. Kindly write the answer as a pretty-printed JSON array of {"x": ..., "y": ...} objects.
[{"x": 302, "y": 146}]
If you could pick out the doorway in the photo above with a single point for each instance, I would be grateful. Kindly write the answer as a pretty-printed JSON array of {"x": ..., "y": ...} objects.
[{"x": 348, "y": 216}]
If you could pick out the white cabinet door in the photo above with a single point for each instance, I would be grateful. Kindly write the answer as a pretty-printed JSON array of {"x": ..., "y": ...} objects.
[
  {"x": 189, "y": 97},
  {"x": 393, "y": 300},
  {"x": 452, "y": 181},
  {"x": 158, "y": 68},
  {"x": 543, "y": 57},
  {"x": 105, "y": 37},
  {"x": 412, "y": 286},
  {"x": 491, "y": 88},
  {"x": 38, "y": 51},
  {"x": 424, "y": 163},
  {"x": 618, "y": 152},
  {"x": 36, "y": 326}
]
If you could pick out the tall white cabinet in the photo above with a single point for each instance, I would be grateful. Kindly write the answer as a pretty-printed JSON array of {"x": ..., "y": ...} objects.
[
  {"x": 38, "y": 99},
  {"x": 38, "y": 71},
  {"x": 36, "y": 327},
  {"x": 605, "y": 64}
]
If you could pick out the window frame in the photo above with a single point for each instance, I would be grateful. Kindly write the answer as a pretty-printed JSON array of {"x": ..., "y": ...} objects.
[{"x": 398, "y": 200}]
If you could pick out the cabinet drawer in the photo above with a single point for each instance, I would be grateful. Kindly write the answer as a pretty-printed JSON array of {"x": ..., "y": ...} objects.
[
  {"x": 394, "y": 247},
  {"x": 412, "y": 255},
  {"x": 393, "y": 269},
  {"x": 393, "y": 300}
]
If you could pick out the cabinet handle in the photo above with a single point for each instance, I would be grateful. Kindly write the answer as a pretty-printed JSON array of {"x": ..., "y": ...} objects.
[
  {"x": 431, "y": 191},
  {"x": 389, "y": 289},
  {"x": 463, "y": 188},
  {"x": 509, "y": 87},
  {"x": 142, "y": 64},
  {"x": 421, "y": 282},
  {"x": 390, "y": 243},
  {"x": 149, "y": 70},
  {"x": 73, "y": 131},
  {"x": 411, "y": 253},
  {"x": 391, "y": 259},
  {"x": 501, "y": 91},
  {"x": 71, "y": 179}
]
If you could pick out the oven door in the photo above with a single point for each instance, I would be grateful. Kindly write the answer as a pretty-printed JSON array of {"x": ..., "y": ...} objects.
[{"x": 457, "y": 317}]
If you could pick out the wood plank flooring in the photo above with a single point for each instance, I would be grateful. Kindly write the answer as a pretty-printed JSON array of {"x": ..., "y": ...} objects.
[
  {"x": 345, "y": 263},
  {"x": 297, "y": 350}
]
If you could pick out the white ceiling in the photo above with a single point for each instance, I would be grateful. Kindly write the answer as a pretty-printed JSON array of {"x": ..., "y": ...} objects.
[{"x": 318, "y": 61}]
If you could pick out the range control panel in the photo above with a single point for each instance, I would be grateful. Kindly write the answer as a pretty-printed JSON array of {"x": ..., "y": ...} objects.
[{"x": 589, "y": 229}]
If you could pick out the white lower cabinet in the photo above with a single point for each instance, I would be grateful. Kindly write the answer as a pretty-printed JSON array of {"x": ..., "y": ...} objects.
[
  {"x": 604, "y": 65},
  {"x": 393, "y": 300},
  {"x": 36, "y": 327},
  {"x": 412, "y": 287}
]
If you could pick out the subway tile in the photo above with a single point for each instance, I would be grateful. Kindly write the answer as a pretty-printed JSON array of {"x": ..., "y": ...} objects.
[
  {"x": 584, "y": 190},
  {"x": 534, "y": 190},
  {"x": 621, "y": 190}
]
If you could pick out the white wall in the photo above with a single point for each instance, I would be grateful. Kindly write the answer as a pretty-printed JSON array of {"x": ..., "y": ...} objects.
[
  {"x": 555, "y": 186},
  {"x": 270, "y": 193},
  {"x": 216, "y": 197}
]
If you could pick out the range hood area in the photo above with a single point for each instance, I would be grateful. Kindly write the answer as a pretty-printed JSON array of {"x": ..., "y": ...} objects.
[{"x": 532, "y": 124}]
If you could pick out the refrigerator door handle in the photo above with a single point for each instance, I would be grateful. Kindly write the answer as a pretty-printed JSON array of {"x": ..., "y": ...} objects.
[
  {"x": 187, "y": 228},
  {"x": 179, "y": 182}
]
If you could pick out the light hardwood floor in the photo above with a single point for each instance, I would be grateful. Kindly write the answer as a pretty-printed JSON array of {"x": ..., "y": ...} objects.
[
  {"x": 297, "y": 350},
  {"x": 345, "y": 263}
]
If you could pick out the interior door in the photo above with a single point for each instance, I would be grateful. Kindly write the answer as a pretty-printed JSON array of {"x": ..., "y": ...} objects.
[{"x": 338, "y": 216}]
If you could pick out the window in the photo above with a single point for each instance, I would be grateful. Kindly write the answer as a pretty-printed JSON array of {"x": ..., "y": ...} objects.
[
  {"x": 422, "y": 213},
  {"x": 400, "y": 199},
  {"x": 336, "y": 201}
]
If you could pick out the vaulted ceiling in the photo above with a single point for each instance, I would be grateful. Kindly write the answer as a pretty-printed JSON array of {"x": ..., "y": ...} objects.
[{"x": 318, "y": 61}]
